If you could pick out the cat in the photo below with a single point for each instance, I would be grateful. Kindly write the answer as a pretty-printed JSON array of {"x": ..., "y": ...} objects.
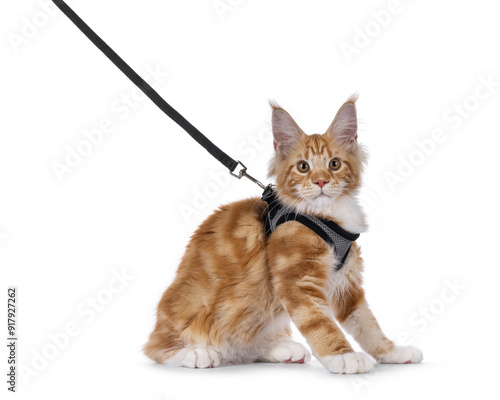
[{"x": 237, "y": 290}]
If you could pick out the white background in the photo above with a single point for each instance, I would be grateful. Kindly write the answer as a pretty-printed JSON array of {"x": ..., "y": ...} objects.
[{"x": 126, "y": 205}]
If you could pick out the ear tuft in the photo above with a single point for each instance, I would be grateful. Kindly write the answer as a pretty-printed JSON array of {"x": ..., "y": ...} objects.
[
  {"x": 274, "y": 105},
  {"x": 353, "y": 98},
  {"x": 344, "y": 127},
  {"x": 286, "y": 132}
]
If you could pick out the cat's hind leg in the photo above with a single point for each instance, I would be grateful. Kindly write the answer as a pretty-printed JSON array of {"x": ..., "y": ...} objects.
[
  {"x": 278, "y": 344},
  {"x": 169, "y": 349},
  {"x": 197, "y": 357}
]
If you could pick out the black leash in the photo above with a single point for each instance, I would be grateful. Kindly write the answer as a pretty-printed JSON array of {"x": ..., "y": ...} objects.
[
  {"x": 327, "y": 230},
  {"x": 222, "y": 157}
]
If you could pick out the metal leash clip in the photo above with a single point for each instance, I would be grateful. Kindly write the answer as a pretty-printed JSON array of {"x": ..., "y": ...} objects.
[{"x": 243, "y": 173}]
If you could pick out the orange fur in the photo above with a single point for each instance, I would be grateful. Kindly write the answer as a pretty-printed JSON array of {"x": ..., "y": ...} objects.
[
  {"x": 236, "y": 289},
  {"x": 222, "y": 292}
]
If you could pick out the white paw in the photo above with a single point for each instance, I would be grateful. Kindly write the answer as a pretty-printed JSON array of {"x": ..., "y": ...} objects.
[
  {"x": 200, "y": 357},
  {"x": 348, "y": 363},
  {"x": 288, "y": 352},
  {"x": 401, "y": 355}
]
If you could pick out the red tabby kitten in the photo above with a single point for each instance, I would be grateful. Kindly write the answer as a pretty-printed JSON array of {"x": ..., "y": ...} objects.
[{"x": 237, "y": 289}]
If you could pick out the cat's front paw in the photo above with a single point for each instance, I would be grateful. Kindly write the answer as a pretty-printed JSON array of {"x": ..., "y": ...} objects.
[
  {"x": 288, "y": 352},
  {"x": 348, "y": 363},
  {"x": 401, "y": 355}
]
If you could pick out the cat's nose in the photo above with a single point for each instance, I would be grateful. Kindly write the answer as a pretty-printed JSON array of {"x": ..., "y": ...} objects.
[{"x": 321, "y": 182}]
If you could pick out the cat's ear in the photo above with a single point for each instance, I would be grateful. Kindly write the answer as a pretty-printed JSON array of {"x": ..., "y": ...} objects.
[
  {"x": 286, "y": 132},
  {"x": 344, "y": 127}
]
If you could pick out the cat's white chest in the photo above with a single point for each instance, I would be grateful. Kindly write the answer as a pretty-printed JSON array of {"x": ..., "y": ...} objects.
[{"x": 350, "y": 216}]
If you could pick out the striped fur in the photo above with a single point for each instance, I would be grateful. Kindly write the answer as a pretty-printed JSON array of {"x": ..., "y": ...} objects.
[{"x": 237, "y": 291}]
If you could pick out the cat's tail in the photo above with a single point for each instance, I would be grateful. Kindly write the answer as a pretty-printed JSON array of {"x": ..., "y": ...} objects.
[{"x": 163, "y": 346}]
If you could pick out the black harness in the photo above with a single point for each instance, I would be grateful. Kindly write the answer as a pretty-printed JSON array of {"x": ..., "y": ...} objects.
[{"x": 329, "y": 231}]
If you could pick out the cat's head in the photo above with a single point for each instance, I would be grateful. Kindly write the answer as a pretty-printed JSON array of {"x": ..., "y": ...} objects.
[{"x": 313, "y": 172}]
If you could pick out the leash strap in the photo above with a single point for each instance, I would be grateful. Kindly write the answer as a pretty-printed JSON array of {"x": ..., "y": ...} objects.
[
  {"x": 227, "y": 161},
  {"x": 328, "y": 230}
]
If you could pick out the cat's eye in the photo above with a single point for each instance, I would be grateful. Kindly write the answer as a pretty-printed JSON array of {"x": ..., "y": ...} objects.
[
  {"x": 334, "y": 164},
  {"x": 302, "y": 166}
]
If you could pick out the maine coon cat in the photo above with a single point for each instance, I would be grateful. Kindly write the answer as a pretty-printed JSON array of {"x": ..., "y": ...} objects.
[{"x": 237, "y": 290}]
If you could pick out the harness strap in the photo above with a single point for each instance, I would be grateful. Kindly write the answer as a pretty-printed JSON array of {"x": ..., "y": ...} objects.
[
  {"x": 227, "y": 161},
  {"x": 337, "y": 237}
]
